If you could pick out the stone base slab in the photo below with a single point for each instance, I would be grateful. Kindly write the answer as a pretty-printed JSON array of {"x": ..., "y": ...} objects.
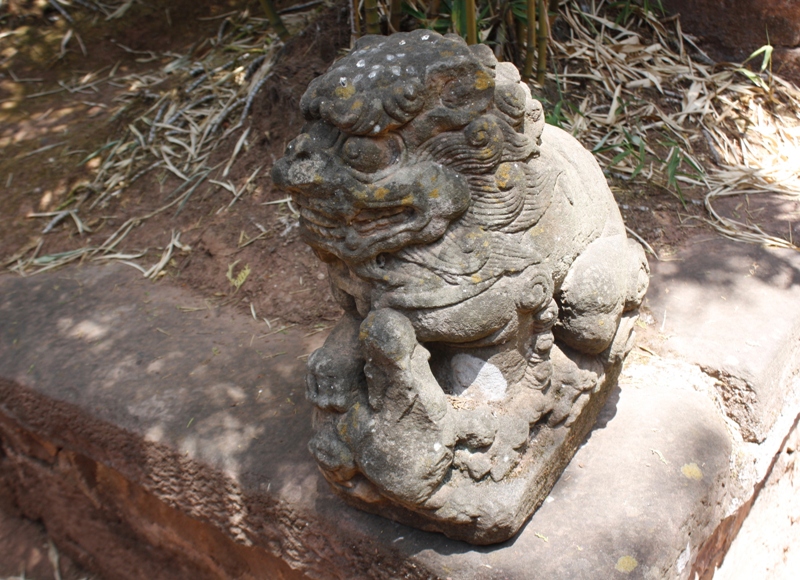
[
  {"x": 159, "y": 437},
  {"x": 732, "y": 309}
]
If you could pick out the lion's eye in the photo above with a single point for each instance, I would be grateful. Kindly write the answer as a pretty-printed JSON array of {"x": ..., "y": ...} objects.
[
  {"x": 323, "y": 134},
  {"x": 371, "y": 154}
]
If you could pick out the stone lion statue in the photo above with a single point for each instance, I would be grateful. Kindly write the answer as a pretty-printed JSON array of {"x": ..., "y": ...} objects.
[{"x": 488, "y": 285}]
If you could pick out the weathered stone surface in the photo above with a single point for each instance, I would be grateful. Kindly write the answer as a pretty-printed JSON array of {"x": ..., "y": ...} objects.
[
  {"x": 768, "y": 545},
  {"x": 127, "y": 427},
  {"x": 489, "y": 287},
  {"x": 734, "y": 310},
  {"x": 25, "y": 549},
  {"x": 122, "y": 411}
]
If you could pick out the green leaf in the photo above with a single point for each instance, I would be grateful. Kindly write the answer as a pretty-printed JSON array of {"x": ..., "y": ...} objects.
[
  {"x": 411, "y": 11},
  {"x": 619, "y": 157}
]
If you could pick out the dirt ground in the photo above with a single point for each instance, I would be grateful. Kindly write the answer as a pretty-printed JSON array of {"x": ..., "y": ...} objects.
[
  {"x": 47, "y": 132},
  {"x": 45, "y": 137}
]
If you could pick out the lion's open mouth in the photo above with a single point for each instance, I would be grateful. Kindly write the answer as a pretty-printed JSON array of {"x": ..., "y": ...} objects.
[
  {"x": 365, "y": 221},
  {"x": 369, "y": 220},
  {"x": 318, "y": 218}
]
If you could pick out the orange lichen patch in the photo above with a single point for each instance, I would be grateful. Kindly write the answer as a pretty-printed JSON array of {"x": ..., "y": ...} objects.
[
  {"x": 434, "y": 193},
  {"x": 346, "y": 91},
  {"x": 407, "y": 200},
  {"x": 626, "y": 564},
  {"x": 692, "y": 471},
  {"x": 380, "y": 193},
  {"x": 483, "y": 81},
  {"x": 503, "y": 175}
]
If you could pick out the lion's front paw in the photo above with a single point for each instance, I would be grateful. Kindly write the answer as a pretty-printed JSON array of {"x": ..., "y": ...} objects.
[
  {"x": 333, "y": 382},
  {"x": 336, "y": 371},
  {"x": 389, "y": 341},
  {"x": 388, "y": 337}
]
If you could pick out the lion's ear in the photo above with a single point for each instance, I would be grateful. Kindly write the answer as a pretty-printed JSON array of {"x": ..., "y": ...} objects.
[
  {"x": 510, "y": 101},
  {"x": 368, "y": 40},
  {"x": 485, "y": 56},
  {"x": 456, "y": 37},
  {"x": 534, "y": 120},
  {"x": 507, "y": 73}
]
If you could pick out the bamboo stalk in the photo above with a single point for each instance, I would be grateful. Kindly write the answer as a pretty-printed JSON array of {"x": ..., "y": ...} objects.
[
  {"x": 541, "y": 65},
  {"x": 517, "y": 35},
  {"x": 397, "y": 14},
  {"x": 472, "y": 26},
  {"x": 274, "y": 19},
  {"x": 355, "y": 19},
  {"x": 527, "y": 70},
  {"x": 371, "y": 17},
  {"x": 433, "y": 9}
]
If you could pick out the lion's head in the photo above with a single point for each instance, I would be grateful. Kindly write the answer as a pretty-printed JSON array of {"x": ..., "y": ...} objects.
[{"x": 405, "y": 135}]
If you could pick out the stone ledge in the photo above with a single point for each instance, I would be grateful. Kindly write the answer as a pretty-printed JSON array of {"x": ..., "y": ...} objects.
[
  {"x": 146, "y": 430},
  {"x": 734, "y": 310}
]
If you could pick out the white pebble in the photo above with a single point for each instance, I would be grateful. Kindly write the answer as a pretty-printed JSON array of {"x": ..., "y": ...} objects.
[{"x": 477, "y": 379}]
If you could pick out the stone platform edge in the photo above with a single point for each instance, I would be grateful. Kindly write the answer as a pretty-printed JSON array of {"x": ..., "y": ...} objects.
[{"x": 123, "y": 491}]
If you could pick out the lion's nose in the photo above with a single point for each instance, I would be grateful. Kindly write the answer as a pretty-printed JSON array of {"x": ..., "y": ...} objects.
[
  {"x": 300, "y": 148},
  {"x": 302, "y": 165}
]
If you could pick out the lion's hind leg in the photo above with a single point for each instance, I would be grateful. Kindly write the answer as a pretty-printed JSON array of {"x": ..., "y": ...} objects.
[{"x": 608, "y": 279}]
